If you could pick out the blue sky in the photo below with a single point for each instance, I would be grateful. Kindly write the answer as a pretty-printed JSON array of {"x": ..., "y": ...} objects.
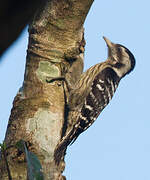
[{"x": 117, "y": 146}]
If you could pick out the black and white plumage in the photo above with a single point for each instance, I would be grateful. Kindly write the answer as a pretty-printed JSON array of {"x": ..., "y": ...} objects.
[{"x": 94, "y": 91}]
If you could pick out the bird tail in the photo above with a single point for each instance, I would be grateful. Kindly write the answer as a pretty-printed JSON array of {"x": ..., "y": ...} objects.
[{"x": 61, "y": 148}]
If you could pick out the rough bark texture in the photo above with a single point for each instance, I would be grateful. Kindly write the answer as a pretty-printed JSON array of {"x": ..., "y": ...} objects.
[{"x": 56, "y": 47}]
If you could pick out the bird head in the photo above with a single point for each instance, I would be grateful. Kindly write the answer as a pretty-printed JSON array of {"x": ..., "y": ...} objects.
[{"x": 122, "y": 60}]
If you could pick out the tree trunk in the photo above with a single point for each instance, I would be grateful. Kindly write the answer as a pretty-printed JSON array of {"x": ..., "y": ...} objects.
[{"x": 56, "y": 47}]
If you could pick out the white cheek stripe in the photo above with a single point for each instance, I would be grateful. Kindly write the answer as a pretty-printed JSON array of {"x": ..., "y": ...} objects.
[{"x": 125, "y": 53}]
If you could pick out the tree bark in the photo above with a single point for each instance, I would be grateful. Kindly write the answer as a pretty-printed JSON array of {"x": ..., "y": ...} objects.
[{"x": 55, "y": 49}]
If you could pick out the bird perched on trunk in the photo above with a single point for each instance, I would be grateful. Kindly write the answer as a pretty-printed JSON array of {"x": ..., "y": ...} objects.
[{"x": 93, "y": 92}]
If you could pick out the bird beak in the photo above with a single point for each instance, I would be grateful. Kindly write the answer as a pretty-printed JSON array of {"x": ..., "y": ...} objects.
[{"x": 108, "y": 42}]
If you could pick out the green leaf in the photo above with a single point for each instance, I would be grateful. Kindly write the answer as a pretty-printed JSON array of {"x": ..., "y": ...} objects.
[
  {"x": 3, "y": 146},
  {"x": 34, "y": 166}
]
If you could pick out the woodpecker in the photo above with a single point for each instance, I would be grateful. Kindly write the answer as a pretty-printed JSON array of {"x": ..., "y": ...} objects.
[{"x": 93, "y": 92}]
